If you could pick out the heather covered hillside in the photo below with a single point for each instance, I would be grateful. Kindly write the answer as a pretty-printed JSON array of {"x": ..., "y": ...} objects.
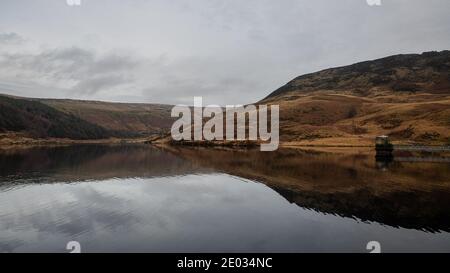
[
  {"x": 404, "y": 96},
  {"x": 80, "y": 120},
  {"x": 427, "y": 72},
  {"x": 41, "y": 121},
  {"x": 132, "y": 119}
]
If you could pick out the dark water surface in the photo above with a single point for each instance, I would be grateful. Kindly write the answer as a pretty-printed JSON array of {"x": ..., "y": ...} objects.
[{"x": 137, "y": 198}]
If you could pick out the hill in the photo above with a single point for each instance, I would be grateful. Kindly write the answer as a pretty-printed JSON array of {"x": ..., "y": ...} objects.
[
  {"x": 41, "y": 121},
  {"x": 79, "y": 120},
  {"x": 404, "y": 96},
  {"x": 427, "y": 72},
  {"x": 130, "y": 119}
]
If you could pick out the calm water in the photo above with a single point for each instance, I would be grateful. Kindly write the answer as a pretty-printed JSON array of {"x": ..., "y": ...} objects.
[{"x": 139, "y": 198}]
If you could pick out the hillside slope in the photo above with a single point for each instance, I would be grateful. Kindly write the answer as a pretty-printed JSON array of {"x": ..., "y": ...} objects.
[
  {"x": 427, "y": 72},
  {"x": 130, "y": 119},
  {"x": 40, "y": 121},
  {"x": 79, "y": 120},
  {"x": 404, "y": 96}
]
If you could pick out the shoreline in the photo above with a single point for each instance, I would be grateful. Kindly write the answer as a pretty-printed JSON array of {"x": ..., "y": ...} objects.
[
  {"x": 26, "y": 142},
  {"x": 11, "y": 141}
]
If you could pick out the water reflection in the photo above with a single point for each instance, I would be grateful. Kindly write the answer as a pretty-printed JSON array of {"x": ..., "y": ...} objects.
[
  {"x": 142, "y": 198},
  {"x": 411, "y": 195}
]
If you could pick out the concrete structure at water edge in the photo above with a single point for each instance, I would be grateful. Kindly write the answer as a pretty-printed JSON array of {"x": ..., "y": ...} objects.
[
  {"x": 383, "y": 147},
  {"x": 408, "y": 153}
]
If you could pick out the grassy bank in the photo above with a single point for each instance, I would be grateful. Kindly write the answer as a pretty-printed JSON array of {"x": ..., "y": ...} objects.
[{"x": 14, "y": 140}]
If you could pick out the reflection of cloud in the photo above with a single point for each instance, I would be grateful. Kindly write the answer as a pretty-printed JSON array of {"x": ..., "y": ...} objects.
[
  {"x": 161, "y": 213},
  {"x": 199, "y": 213},
  {"x": 102, "y": 210}
]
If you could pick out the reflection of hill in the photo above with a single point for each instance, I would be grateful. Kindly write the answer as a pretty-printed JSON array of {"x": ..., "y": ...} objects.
[
  {"x": 320, "y": 171},
  {"x": 427, "y": 211},
  {"x": 407, "y": 195}
]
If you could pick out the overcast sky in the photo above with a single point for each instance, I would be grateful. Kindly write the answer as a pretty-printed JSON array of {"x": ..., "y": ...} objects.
[{"x": 228, "y": 51}]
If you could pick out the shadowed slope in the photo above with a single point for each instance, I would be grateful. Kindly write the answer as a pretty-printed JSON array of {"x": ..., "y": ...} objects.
[{"x": 40, "y": 120}]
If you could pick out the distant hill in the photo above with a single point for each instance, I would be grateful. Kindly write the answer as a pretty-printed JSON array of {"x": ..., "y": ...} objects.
[
  {"x": 130, "y": 119},
  {"x": 81, "y": 120},
  {"x": 41, "y": 121},
  {"x": 404, "y": 96},
  {"x": 427, "y": 72}
]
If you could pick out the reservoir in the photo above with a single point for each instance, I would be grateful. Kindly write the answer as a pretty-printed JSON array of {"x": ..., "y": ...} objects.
[{"x": 140, "y": 198}]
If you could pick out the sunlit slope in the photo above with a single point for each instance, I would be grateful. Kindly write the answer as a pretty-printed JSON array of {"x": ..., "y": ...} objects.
[{"x": 404, "y": 96}]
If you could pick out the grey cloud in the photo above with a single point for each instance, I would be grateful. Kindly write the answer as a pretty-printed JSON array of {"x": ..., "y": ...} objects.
[
  {"x": 229, "y": 51},
  {"x": 113, "y": 63},
  {"x": 82, "y": 71},
  {"x": 178, "y": 81},
  {"x": 11, "y": 38},
  {"x": 182, "y": 90},
  {"x": 9, "y": 245},
  {"x": 98, "y": 83}
]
